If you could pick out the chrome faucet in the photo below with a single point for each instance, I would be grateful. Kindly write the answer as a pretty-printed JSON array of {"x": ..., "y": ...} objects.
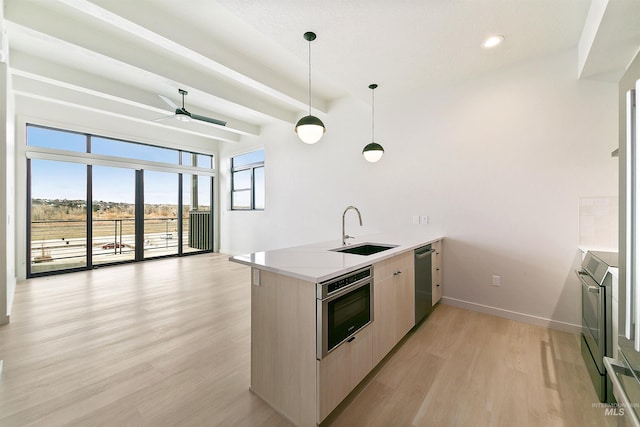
[{"x": 345, "y": 236}]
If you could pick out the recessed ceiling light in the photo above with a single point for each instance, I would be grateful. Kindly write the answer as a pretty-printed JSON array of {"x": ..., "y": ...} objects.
[{"x": 492, "y": 41}]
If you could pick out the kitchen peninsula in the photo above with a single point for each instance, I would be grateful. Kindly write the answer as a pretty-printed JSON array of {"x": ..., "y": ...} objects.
[{"x": 291, "y": 367}]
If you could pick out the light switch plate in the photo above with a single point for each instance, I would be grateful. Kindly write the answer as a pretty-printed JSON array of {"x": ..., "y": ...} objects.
[{"x": 424, "y": 219}]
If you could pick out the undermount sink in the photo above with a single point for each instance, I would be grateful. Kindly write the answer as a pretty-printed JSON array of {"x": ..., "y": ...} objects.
[{"x": 364, "y": 249}]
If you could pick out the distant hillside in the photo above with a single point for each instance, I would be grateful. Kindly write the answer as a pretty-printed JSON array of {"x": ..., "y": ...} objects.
[{"x": 64, "y": 209}]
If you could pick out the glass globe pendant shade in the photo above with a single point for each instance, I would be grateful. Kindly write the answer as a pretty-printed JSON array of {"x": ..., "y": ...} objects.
[
  {"x": 310, "y": 129},
  {"x": 372, "y": 152}
]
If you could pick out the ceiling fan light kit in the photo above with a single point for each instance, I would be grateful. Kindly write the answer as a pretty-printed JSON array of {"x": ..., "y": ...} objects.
[
  {"x": 373, "y": 151},
  {"x": 310, "y": 128},
  {"x": 493, "y": 41}
]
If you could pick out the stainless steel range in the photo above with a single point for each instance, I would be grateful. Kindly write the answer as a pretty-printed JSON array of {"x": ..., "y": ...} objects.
[{"x": 597, "y": 339}]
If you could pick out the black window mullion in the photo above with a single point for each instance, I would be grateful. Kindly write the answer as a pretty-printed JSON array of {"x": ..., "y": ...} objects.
[
  {"x": 211, "y": 204},
  {"x": 89, "y": 228},
  {"x": 139, "y": 215},
  {"x": 253, "y": 188},
  {"x": 89, "y": 252},
  {"x": 29, "y": 203},
  {"x": 180, "y": 216}
]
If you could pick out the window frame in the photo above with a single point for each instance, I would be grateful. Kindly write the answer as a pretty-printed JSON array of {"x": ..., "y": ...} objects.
[
  {"x": 90, "y": 159},
  {"x": 252, "y": 167}
]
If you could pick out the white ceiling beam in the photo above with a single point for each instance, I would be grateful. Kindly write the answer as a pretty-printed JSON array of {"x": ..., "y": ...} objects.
[
  {"x": 38, "y": 69},
  {"x": 56, "y": 101},
  {"x": 68, "y": 96},
  {"x": 609, "y": 40},
  {"x": 155, "y": 37},
  {"x": 114, "y": 49}
]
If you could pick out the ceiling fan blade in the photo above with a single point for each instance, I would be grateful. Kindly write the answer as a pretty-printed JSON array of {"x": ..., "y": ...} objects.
[
  {"x": 169, "y": 102},
  {"x": 208, "y": 119},
  {"x": 164, "y": 117}
]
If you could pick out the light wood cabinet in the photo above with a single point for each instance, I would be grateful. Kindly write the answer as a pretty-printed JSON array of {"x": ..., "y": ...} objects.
[
  {"x": 342, "y": 370},
  {"x": 436, "y": 272},
  {"x": 385, "y": 312},
  {"x": 284, "y": 369},
  {"x": 393, "y": 301},
  {"x": 283, "y": 345}
]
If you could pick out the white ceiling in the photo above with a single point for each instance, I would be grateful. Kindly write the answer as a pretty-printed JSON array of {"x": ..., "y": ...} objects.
[{"x": 246, "y": 61}]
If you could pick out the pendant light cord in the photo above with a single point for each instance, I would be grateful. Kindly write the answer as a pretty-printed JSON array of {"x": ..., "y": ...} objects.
[
  {"x": 373, "y": 108},
  {"x": 309, "y": 77}
]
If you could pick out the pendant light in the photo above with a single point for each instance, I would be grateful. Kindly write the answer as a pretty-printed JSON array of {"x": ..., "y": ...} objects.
[
  {"x": 373, "y": 151},
  {"x": 310, "y": 128}
]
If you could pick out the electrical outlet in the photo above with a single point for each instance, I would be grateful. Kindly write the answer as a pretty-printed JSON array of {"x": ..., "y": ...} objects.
[
  {"x": 416, "y": 220},
  {"x": 424, "y": 219},
  {"x": 496, "y": 281}
]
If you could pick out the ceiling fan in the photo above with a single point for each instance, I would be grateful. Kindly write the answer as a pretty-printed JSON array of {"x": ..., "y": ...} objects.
[{"x": 183, "y": 115}]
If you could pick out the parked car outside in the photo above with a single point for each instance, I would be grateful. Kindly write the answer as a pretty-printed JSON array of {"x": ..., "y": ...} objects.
[{"x": 113, "y": 245}]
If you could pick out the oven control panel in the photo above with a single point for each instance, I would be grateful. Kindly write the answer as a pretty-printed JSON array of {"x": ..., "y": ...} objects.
[{"x": 331, "y": 286}]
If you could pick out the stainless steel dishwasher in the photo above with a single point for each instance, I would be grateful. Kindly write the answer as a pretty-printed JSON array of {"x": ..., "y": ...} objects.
[{"x": 423, "y": 280}]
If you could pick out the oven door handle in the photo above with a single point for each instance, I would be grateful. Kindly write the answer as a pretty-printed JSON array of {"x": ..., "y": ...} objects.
[
  {"x": 590, "y": 288},
  {"x": 593, "y": 289}
]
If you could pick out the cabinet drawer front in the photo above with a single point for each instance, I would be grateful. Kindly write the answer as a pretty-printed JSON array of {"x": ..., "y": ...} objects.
[
  {"x": 436, "y": 272},
  {"x": 387, "y": 268},
  {"x": 342, "y": 370}
]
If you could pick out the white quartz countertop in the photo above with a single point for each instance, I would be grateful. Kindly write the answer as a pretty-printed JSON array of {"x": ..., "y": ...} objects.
[{"x": 317, "y": 263}]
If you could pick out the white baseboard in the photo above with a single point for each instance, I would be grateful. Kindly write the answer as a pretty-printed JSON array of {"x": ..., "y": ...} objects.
[{"x": 513, "y": 315}]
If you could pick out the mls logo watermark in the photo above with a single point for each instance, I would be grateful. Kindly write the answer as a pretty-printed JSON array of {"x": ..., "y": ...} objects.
[{"x": 615, "y": 409}]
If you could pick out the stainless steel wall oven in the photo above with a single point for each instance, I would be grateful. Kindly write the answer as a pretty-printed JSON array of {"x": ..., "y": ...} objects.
[{"x": 344, "y": 306}]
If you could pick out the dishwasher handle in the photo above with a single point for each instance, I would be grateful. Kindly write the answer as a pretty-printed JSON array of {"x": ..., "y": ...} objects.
[{"x": 424, "y": 254}]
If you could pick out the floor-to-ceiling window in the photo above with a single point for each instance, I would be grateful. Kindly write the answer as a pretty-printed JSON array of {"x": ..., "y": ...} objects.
[
  {"x": 58, "y": 215},
  {"x": 197, "y": 193},
  {"x": 113, "y": 214},
  {"x": 160, "y": 213},
  {"x": 145, "y": 201}
]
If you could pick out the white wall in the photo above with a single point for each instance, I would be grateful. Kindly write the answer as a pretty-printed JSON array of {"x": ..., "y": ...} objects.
[
  {"x": 7, "y": 273},
  {"x": 499, "y": 164},
  {"x": 9, "y": 217},
  {"x": 7, "y": 181}
]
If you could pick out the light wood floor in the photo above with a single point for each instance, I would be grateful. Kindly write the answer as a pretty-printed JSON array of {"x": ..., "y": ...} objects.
[{"x": 167, "y": 343}]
